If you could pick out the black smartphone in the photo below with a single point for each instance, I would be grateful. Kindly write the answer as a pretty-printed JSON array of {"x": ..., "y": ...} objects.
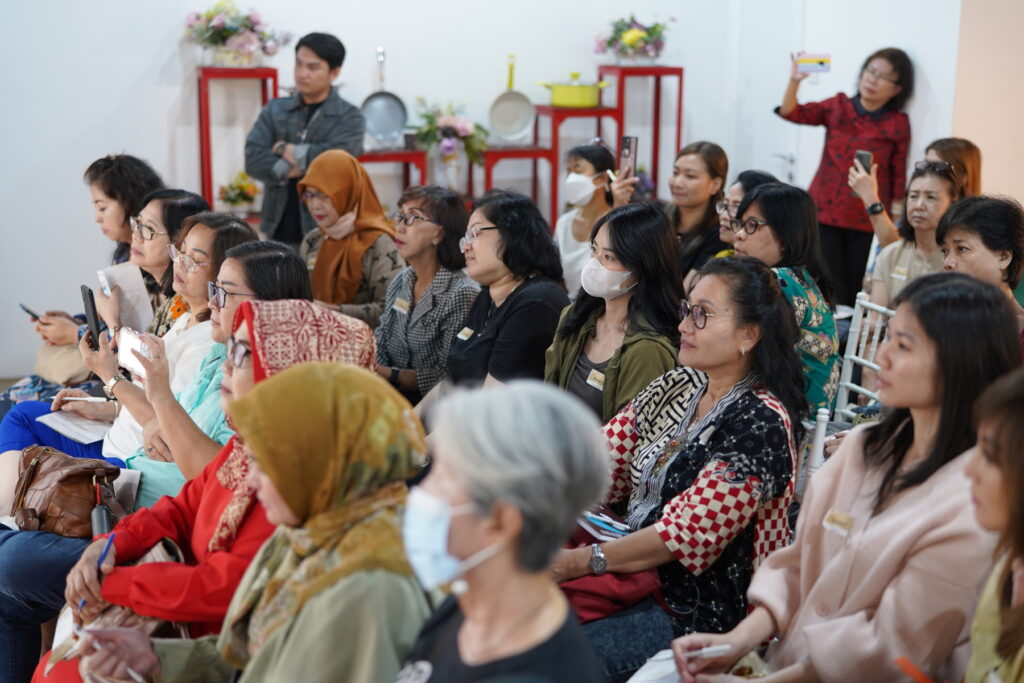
[
  {"x": 866, "y": 159},
  {"x": 32, "y": 314},
  {"x": 627, "y": 156},
  {"x": 93, "y": 320}
]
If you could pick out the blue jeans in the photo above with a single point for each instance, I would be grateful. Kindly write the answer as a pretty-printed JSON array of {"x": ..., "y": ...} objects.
[
  {"x": 628, "y": 638},
  {"x": 20, "y": 429},
  {"x": 34, "y": 566}
]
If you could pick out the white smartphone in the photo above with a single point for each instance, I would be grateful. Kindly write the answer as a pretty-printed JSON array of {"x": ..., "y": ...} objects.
[{"x": 128, "y": 340}]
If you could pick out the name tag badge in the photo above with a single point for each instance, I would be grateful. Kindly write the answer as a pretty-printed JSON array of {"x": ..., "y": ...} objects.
[
  {"x": 838, "y": 522},
  {"x": 899, "y": 273},
  {"x": 401, "y": 305},
  {"x": 596, "y": 380},
  {"x": 465, "y": 334}
]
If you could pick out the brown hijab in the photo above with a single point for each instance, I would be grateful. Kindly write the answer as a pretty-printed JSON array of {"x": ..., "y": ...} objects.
[{"x": 339, "y": 265}]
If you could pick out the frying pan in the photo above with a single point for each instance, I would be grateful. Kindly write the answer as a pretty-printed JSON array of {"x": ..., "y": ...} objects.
[
  {"x": 512, "y": 113},
  {"x": 385, "y": 114}
]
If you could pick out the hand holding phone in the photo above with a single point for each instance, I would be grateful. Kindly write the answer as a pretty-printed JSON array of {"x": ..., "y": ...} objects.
[
  {"x": 32, "y": 314},
  {"x": 627, "y": 156},
  {"x": 128, "y": 340},
  {"x": 813, "y": 62},
  {"x": 91, "y": 318},
  {"x": 866, "y": 159}
]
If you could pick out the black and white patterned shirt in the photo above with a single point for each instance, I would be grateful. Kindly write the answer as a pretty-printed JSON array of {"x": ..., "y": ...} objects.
[{"x": 418, "y": 336}]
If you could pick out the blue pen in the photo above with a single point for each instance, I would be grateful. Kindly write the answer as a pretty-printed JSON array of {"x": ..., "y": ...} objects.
[{"x": 99, "y": 563}]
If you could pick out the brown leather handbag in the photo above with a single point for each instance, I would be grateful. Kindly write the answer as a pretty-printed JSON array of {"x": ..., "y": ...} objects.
[{"x": 57, "y": 492}]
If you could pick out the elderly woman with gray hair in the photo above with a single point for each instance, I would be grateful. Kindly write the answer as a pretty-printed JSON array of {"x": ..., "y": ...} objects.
[{"x": 502, "y": 497}]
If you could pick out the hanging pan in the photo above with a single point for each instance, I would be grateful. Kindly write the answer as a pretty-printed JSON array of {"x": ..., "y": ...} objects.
[
  {"x": 384, "y": 112},
  {"x": 512, "y": 113}
]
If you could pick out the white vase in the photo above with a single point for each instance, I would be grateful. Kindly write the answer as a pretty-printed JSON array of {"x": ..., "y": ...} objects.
[
  {"x": 639, "y": 59},
  {"x": 222, "y": 56}
]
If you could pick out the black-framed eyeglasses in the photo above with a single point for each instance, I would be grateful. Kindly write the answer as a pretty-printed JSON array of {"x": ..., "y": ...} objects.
[
  {"x": 189, "y": 263},
  {"x": 935, "y": 167},
  {"x": 472, "y": 234},
  {"x": 699, "y": 314},
  {"x": 145, "y": 232},
  {"x": 727, "y": 208},
  {"x": 879, "y": 76},
  {"x": 238, "y": 352},
  {"x": 219, "y": 295},
  {"x": 408, "y": 219},
  {"x": 750, "y": 226}
]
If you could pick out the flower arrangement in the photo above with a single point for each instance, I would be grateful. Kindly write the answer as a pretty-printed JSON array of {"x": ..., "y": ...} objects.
[
  {"x": 225, "y": 26},
  {"x": 239, "y": 191},
  {"x": 630, "y": 38},
  {"x": 447, "y": 127}
]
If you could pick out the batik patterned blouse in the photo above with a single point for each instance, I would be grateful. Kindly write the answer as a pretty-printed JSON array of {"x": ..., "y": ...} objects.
[{"x": 819, "y": 340}]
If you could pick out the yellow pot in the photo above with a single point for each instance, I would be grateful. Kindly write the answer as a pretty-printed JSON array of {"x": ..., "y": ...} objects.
[{"x": 574, "y": 93}]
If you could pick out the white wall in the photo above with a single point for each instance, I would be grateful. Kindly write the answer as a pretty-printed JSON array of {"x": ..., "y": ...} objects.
[{"x": 114, "y": 77}]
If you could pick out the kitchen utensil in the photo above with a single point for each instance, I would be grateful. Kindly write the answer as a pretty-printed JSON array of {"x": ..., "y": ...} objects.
[
  {"x": 512, "y": 113},
  {"x": 575, "y": 93},
  {"x": 384, "y": 112}
]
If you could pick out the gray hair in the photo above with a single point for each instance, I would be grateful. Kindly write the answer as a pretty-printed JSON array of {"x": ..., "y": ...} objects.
[{"x": 532, "y": 446}]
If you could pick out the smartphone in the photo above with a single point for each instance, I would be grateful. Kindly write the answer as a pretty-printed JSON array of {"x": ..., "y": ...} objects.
[
  {"x": 813, "y": 63},
  {"x": 128, "y": 340},
  {"x": 627, "y": 156},
  {"x": 91, "y": 319},
  {"x": 32, "y": 314},
  {"x": 866, "y": 159}
]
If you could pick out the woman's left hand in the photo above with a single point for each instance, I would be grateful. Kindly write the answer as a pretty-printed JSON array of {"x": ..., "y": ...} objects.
[
  {"x": 566, "y": 564},
  {"x": 155, "y": 367},
  {"x": 863, "y": 183},
  {"x": 102, "y": 360}
]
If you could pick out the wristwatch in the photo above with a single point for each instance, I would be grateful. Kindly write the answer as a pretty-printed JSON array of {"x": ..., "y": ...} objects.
[
  {"x": 875, "y": 209},
  {"x": 393, "y": 378},
  {"x": 108, "y": 387},
  {"x": 598, "y": 562}
]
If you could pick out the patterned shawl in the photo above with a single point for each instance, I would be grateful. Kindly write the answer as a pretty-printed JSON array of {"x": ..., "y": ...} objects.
[
  {"x": 282, "y": 334},
  {"x": 338, "y": 443}
]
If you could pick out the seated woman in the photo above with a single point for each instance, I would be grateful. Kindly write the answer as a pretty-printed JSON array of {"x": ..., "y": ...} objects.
[
  {"x": 428, "y": 300},
  {"x": 330, "y": 596},
  {"x": 588, "y": 188},
  {"x": 778, "y": 225},
  {"x": 510, "y": 253},
  {"x": 501, "y": 498},
  {"x": 896, "y": 487},
  {"x": 352, "y": 253},
  {"x": 996, "y": 473},
  {"x": 704, "y": 460},
  {"x": 214, "y": 518},
  {"x": 206, "y": 237},
  {"x": 730, "y": 204},
  {"x": 622, "y": 330},
  {"x": 117, "y": 184}
]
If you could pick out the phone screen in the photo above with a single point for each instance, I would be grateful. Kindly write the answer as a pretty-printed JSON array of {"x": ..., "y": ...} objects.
[
  {"x": 93, "y": 320},
  {"x": 627, "y": 156},
  {"x": 128, "y": 340}
]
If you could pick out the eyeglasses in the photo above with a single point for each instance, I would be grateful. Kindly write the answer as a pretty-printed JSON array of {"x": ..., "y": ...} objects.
[
  {"x": 472, "y": 234},
  {"x": 238, "y": 353},
  {"x": 879, "y": 76},
  {"x": 699, "y": 314},
  {"x": 145, "y": 232},
  {"x": 219, "y": 295},
  {"x": 408, "y": 219},
  {"x": 749, "y": 226},
  {"x": 311, "y": 195},
  {"x": 727, "y": 208},
  {"x": 189, "y": 263},
  {"x": 935, "y": 166}
]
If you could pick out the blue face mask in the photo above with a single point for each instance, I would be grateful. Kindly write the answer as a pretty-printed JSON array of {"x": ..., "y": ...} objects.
[{"x": 425, "y": 529}]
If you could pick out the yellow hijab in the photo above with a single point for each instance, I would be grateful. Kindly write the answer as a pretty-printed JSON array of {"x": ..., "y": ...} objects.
[{"x": 338, "y": 443}]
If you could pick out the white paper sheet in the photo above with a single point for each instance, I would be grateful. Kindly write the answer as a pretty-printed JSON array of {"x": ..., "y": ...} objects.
[
  {"x": 75, "y": 426},
  {"x": 136, "y": 309},
  {"x": 660, "y": 668}
]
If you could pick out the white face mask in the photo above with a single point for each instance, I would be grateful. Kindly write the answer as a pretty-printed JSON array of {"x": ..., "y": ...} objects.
[
  {"x": 579, "y": 189},
  {"x": 425, "y": 529},
  {"x": 603, "y": 283}
]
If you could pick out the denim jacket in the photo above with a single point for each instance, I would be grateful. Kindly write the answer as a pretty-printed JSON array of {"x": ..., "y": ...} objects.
[{"x": 337, "y": 125}]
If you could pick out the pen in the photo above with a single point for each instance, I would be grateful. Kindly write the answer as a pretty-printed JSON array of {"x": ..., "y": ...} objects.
[
  {"x": 708, "y": 652},
  {"x": 87, "y": 399},
  {"x": 99, "y": 563},
  {"x": 79, "y": 631}
]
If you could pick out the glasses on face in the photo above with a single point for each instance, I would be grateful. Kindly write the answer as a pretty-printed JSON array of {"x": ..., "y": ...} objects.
[
  {"x": 312, "y": 195},
  {"x": 238, "y": 353},
  {"x": 879, "y": 76},
  {"x": 472, "y": 234},
  {"x": 187, "y": 262},
  {"x": 749, "y": 226},
  {"x": 144, "y": 231},
  {"x": 218, "y": 295},
  {"x": 408, "y": 219},
  {"x": 725, "y": 208},
  {"x": 699, "y": 314}
]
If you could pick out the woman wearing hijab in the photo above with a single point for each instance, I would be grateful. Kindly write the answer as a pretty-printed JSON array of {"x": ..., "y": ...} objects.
[
  {"x": 330, "y": 596},
  {"x": 352, "y": 253}
]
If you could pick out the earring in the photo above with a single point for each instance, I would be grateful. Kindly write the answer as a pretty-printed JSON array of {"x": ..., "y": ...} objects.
[{"x": 743, "y": 351}]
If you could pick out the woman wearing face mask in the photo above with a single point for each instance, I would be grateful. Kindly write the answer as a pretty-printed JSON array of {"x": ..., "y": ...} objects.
[
  {"x": 352, "y": 252},
  {"x": 621, "y": 332},
  {"x": 587, "y": 189},
  {"x": 501, "y": 498},
  {"x": 872, "y": 121},
  {"x": 330, "y": 596}
]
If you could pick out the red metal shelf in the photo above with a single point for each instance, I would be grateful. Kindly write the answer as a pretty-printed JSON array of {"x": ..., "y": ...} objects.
[{"x": 406, "y": 157}]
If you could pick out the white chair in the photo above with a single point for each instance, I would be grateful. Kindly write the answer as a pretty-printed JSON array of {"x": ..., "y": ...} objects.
[
  {"x": 815, "y": 451},
  {"x": 867, "y": 328}
]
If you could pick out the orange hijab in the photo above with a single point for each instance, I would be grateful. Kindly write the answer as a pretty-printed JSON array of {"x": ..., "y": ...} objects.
[{"x": 339, "y": 265}]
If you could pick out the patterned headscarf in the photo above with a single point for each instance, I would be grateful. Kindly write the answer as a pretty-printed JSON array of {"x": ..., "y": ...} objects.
[
  {"x": 284, "y": 333},
  {"x": 338, "y": 443}
]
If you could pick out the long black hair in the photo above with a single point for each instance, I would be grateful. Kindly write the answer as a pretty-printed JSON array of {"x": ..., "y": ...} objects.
[
  {"x": 126, "y": 180},
  {"x": 717, "y": 163},
  {"x": 527, "y": 246},
  {"x": 755, "y": 291},
  {"x": 601, "y": 158},
  {"x": 643, "y": 241},
  {"x": 793, "y": 218},
  {"x": 175, "y": 207},
  {"x": 945, "y": 172},
  {"x": 997, "y": 221},
  {"x": 273, "y": 270},
  {"x": 966, "y": 364}
]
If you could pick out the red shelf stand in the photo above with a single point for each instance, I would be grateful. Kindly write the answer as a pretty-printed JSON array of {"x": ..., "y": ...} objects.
[
  {"x": 268, "y": 80},
  {"x": 406, "y": 157}
]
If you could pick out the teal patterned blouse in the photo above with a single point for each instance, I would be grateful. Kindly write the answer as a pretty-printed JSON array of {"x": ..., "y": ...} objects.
[{"x": 819, "y": 340}]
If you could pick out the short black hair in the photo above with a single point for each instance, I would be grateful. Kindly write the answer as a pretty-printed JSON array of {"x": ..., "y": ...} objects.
[
  {"x": 904, "y": 69},
  {"x": 527, "y": 246},
  {"x": 127, "y": 180},
  {"x": 447, "y": 208},
  {"x": 229, "y": 231},
  {"x": 325, "y": 46},
  {"x": 175, "y": 207},
  {"x": 997, "y": 221},
  {"x": 273, "y": 270},
  {"x": 601, "y": 158}
]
